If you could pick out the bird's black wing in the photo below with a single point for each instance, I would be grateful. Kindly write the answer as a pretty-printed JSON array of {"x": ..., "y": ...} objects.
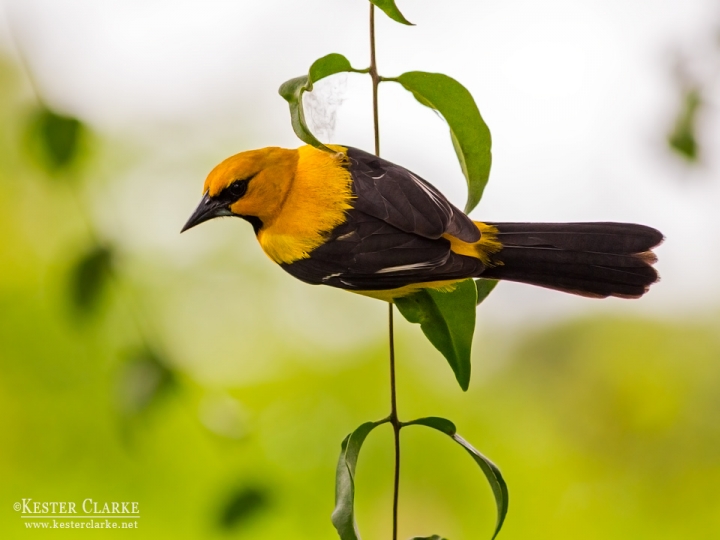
[
  {"x": 402, "y": 199},
  {"x": 365, "y": 253},
  {"x": 392, "y": 236}
]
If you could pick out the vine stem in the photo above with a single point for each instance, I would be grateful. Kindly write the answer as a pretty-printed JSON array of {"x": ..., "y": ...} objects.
[
  {"x": 394, "y": 421},
  {"x": 375, "y": 80}
]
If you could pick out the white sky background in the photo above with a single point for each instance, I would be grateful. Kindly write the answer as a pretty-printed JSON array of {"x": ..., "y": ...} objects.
[{"x": 579, "y": 97}]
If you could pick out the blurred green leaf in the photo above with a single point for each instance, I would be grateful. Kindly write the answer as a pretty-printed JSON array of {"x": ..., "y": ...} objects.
[
  {"x": 682, "y": 138},
  {"x": 448, "y": 321},
  {"x": 491, "y": 471},
  {"x": 224, "y": 416},
  {"x": 468, "y": 131},
  {"x": 343, "y": 516},
  {"x": 242, "y": 505},
  {"x": 89, "y": 278},
  {"x": 143, "y": 380},
  {"x": 433, "y": 537},
  {"x": 293, "y": 90},
  {"x": 391, "y": 10},
  {"x": 484, "y": 288},
  {"x": 54, "y": 140}
]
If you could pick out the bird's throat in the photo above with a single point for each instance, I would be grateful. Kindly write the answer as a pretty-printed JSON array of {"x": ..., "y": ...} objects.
[{"x": 319, "y": 194}]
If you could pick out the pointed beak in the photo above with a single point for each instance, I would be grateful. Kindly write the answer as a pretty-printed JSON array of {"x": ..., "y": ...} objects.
[{"x": 207, "y": 209}]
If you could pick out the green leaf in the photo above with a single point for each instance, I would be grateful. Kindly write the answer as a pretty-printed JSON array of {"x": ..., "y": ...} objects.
[
  {"x": 469, "y": 134},
  {"x": 682, "y": 138},
  {"x": 343, "y": 517},
  {"x": 54, "y": 140},
  {"x": 448, "y": 321},
  {"x": 144, "y": 379},
  {"x": 491, "y": 471},
  {"x": 243, "y": 504},
  {"x": 89, "y": 278},
  {"x": 484, "y": 288},
  {"x": 392, "y": 11},
  {"x": 293, "y": 90}
]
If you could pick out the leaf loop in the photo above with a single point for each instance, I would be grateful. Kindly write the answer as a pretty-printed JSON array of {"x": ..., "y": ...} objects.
[
  {"x": 448, "y": 320},
  {"x": 484, "y": 288},
  {"x": 343, "y": 516},
  {"x": 489, "y": 469},
  {"x": 392, "y": 11},
  {"x": 469, "y": 134},
  {"x": 292, "y": 91}
]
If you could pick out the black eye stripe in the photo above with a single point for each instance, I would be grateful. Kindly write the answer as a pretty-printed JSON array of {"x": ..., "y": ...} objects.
[
  {"x": 234, "y": 191},
  {"x": 238, "y": 188}
]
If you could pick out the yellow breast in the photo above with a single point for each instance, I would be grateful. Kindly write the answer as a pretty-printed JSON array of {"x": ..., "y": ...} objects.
[{"x": 317, "y": 199}]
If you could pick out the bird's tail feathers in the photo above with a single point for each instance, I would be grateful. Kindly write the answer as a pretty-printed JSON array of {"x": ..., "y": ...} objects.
[{"x": 588, "y": 259}]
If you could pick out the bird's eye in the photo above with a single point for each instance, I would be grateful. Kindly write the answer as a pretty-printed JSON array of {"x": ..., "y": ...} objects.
[{"x": 237, "y": 189}]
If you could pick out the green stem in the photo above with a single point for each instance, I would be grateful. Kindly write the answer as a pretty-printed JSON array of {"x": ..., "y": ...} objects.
[
  {"x": 396, "y": 424},
  {"x": 375, "y": 80},
  {"x": 393, "y": 418}
]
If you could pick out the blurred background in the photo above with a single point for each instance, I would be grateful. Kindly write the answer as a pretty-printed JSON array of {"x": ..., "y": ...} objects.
[{"x": 192, "y": 375}]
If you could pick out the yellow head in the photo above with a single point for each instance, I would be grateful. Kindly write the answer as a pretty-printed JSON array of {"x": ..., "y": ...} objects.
[{"x": 251, "y": 185}]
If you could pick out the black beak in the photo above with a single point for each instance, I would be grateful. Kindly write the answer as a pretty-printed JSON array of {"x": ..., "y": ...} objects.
[{"x": 207, "y": 209}]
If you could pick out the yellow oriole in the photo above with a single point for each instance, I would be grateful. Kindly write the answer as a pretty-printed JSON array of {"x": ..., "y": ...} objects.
[{"x": 358, "y": 222}]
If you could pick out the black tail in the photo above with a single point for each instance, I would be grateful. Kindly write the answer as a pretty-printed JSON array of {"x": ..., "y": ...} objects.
[{"x": 589, "y": 259}]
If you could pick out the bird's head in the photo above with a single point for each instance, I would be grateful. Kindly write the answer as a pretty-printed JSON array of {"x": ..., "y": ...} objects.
[{"x": 250, "y": 185}]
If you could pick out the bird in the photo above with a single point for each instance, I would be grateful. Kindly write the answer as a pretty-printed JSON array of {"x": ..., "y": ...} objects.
[{"x": 352, "y": 220}]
